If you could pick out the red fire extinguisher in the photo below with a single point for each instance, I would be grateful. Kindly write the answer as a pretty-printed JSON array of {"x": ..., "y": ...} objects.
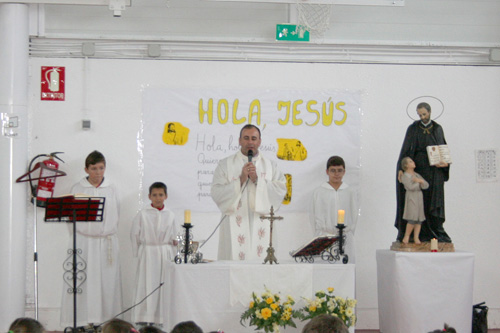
[
  {"x": 49, "y": 170},
  {"x": 47, "y": 181}
]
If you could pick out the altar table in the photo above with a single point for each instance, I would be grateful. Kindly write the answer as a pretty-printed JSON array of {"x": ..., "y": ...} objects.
[
  {"x": 420, "y": 291},
  {"x": 214, "y": 295}
]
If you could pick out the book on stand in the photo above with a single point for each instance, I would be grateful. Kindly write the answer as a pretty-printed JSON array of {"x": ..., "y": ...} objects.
[{"x": 315, "y": 246}]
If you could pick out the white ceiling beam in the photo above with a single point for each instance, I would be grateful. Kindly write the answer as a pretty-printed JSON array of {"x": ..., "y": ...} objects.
[
  {"x": 127, "y": 3},
  {"x": 330, "y": 2}
]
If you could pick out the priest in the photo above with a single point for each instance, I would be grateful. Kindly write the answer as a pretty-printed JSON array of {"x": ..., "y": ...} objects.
[
  {"x": 244, "y": 187},
  {"x": 422, "y": 133}
]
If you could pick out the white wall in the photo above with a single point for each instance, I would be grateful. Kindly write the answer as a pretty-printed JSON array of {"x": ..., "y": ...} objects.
[{"x": 470, "y": 95}]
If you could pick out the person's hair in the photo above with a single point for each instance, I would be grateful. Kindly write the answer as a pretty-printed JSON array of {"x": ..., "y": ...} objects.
[
  {"x": 26, "y": 325},
  {"x": 447, "y": 329},
  {"x": 325, "y": 323},
  {"x": 158, "y": 185},
  {"x": 187, "y": 327},
  {"x": 94, "y": 158},
  {"x": 404, "y": 162},
  {"x": 248, "y": 126},
  {"x": 425, "y": 106},
  {"x": 118, "y": 326},
  {"x": 150, "y": 329},
  {"x": 335, "y": 161}
]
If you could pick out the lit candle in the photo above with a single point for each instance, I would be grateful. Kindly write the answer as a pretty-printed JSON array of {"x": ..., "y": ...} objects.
[
  {"x": 340, "y": 216},
  {"x": 187, "y": 216},
  {"x": 434, "y": 245}
]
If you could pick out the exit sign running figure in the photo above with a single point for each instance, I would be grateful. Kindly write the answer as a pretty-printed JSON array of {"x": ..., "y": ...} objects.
[{"x": 292, "y": 32}]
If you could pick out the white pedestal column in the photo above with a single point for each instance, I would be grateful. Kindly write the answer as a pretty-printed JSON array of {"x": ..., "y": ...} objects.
[
  {"x": 14, "y": 53},
  {"x": 420, "y": 291}
]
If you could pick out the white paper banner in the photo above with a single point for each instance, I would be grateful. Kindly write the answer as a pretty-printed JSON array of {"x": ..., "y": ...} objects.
[{"x": 186, "y": 132}]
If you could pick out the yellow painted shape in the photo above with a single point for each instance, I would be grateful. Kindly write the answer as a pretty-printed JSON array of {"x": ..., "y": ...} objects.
[
  {"x": 175, "y": 134},
  {"x": 288, "y": 196},
  {"x": 291, "y": 150}
]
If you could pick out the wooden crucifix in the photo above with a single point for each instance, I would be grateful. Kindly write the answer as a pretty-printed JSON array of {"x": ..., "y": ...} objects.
[{"x": 270, "y": 250}]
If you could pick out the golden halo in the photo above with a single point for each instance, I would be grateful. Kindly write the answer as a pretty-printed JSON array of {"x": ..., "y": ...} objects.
[{"x": 437, "y": 106}]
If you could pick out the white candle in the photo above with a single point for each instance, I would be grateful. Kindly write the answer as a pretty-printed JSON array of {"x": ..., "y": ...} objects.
[
  {"x": 340, "y": 216},
  {"x": 187, "y": 216},
  {"x": 434, "y": 244}
]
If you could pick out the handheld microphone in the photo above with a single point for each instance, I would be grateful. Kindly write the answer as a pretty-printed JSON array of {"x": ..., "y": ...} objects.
[{"x": 250, "y": 155}]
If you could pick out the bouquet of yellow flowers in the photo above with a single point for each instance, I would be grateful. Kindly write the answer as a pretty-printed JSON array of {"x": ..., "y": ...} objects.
[
  {"x": 326, "y": 302},
  {"x": 269, "y": 313}
]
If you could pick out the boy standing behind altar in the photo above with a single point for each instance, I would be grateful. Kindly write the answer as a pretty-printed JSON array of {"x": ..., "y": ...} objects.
[
  {"x": 328, "y": 199},
  {"x": 153, "y": 236}
]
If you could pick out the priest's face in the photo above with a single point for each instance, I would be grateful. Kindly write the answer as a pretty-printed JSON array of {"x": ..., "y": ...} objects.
[
  {"x": 425, "y": 116},
  {"x": 250, "y": 140}
]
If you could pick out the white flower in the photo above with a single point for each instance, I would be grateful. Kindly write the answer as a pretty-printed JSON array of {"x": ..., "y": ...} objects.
[
  {"x": 258, "y": 314},
  {"x": 349, "y": 312},
  {"x": 351, "y": 302}
]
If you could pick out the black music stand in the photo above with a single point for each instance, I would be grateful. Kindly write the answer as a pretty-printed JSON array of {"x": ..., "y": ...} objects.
[{"x": 71, "y": 209}]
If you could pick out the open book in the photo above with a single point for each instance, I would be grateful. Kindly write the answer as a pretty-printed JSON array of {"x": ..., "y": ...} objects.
[
  {"x": 315, "y": 246},
  {"x": 438, "y": 153},
  {"x": 75, "y": 207}
]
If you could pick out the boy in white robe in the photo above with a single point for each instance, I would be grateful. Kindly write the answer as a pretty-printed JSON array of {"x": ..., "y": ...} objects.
[
  {"x": 101, "y": 293},
  {"x": 153, "y": 236},
  {"x": 244, "y": 187},
  {"x": 331, "y": 197}
]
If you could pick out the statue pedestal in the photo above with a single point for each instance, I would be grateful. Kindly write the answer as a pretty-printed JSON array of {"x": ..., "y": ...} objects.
[
  {"x": 424, "y": 247},
  {"x": 419, "y": 292}
]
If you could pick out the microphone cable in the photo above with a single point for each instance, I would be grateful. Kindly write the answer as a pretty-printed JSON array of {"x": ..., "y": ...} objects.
[{"x": 223, "y": 217}]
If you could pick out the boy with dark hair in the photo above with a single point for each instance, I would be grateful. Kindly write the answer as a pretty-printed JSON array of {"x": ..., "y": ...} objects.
[
  {"x": 153, "y": 236},
  {"x": 101, "y": 294},
  {"x": 329, "y": 198}
]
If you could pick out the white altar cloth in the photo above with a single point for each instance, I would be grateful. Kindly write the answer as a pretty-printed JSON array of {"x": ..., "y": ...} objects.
[
  {"x": 214, "y": 295},
  {"x": 420, "y": 291}
]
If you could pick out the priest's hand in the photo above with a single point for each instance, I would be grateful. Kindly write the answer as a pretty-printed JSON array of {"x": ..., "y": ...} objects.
[{"x": 248, "y": 171}]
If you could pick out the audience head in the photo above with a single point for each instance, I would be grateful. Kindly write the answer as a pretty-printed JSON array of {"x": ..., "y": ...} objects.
[
  {"x": 26, "y": 325},
  {"x": 150, "y": 329},
  {"x": 325, "y": 323},
  {"x": 447, "y": 329},
  {"x": 187, "y": 327},
  {"x": 118, "y": 326}
]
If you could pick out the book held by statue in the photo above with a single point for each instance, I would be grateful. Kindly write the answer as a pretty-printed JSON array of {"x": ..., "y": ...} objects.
[{"x": 438, "y": 153}]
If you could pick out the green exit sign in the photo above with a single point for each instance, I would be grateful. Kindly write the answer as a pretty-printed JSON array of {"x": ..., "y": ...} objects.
[{"x": 292, "y": 32}]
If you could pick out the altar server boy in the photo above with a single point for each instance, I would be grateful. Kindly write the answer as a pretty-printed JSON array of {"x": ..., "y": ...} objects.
[
  {"x": 328, "y": 199},
  {"x": 100, "y": 296},
  {"x": 153, "y": 236}
]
